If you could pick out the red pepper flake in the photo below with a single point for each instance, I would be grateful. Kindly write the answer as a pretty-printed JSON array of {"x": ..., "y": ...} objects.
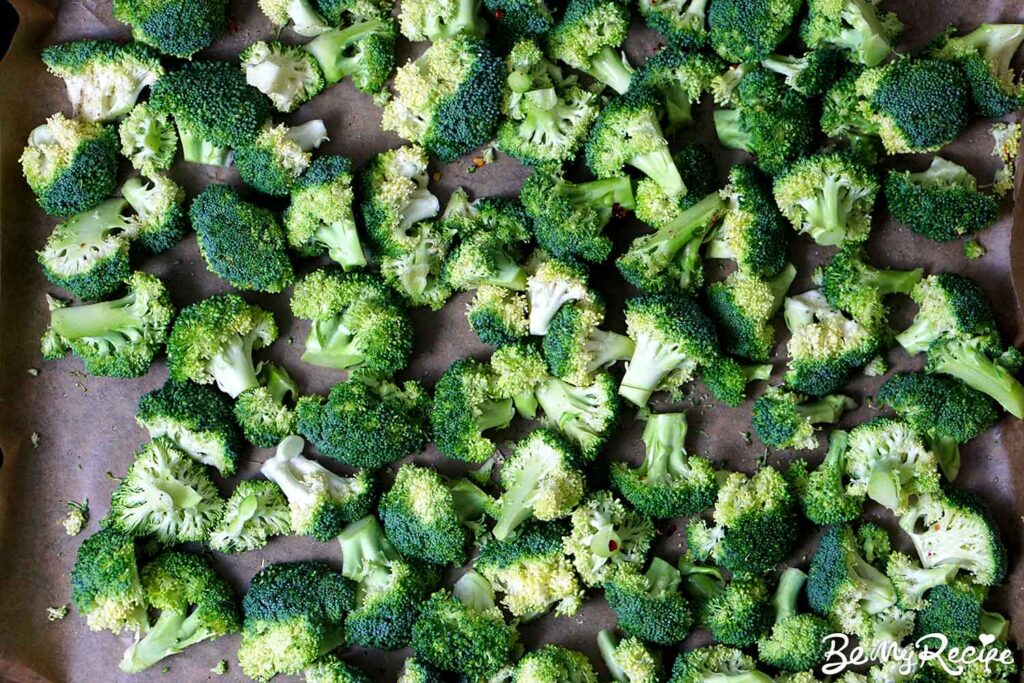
[
  {"x": 437, "y": 176},
  {"x": 499, "y": 14},
  {"x": 478, "y": 162},
  {"x": 612, "y": 546}
]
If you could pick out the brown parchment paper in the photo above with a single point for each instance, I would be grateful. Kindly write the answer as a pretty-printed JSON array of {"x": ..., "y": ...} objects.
[{"x": 86, "y": 429}]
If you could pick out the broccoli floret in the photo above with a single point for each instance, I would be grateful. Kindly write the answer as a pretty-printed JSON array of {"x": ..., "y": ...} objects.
[
  {"x": 389, "y": 590},
  {"x": 875, "y": 542},
  {"x": 302, "y": 14},
  {"x": 985, "y": 55},
  {"x": 888, "y": 462},
  {"x": 166, "y": 494},
  {"x": 589, "y": 38},
  {"x": 682, "y": 22},
  {"x": 274, "y": 160},
  {"x": 824, "y": 495},
  {"x": 320, "y": 501},
  {"x": 828, "y": 197},
  {"x": 576, "y": 349},
  {"x": 88, "y": 254},
  {"x": 105, "y": 584},
  {"x": 255, "y": 512},
  {"x": 70, "y": 165},
  {"x": 974, "y": 362},
  {"x": 540, "y": 480},
  {"x": 521, "y": 19},
  {"x": 466, "y": 404},
  {"x": 418, "y": 274},
  {"x": 739, "y": 613},
  {"x": 950, "y": 306},
  {"x": 955, "y": 611},
  {"x": 797, "y": 641},
  {"x": 627, "y": 133},
  {"x": 753, "y": 232},
  {"x": 418, "y": 671},
  {"x": 463, "y": 631},
  {"x": 716, "y": 663},
  {"x": 159, "y": 202},
  {"x": 367, "y": 423},
  {"x": 944, "y": 410},
  {"x": 784, "y": 419},
  {"x": 288, "y": 75},
  {"x": 319, "y": 219},
  {"x": 148, "y": 139},
  {"x": 531, "y": 571},
  {"x": 395, "y": 197},
  {"x": 727, "y": 380},
  {"x": 742, "y": 306},
  {"x": 196, "y": 419},
  {"x": 195, "y": 604},
  {"x": 499, "y": 315},
  {"x": 519, "y": 369},
  {"x": 750, "y": 30},
  {"x": 679, "y": 76},
  {"x": 670, "y": 482},
  {"x": 942, "y": 202},
  {"x": 265, "y": 413},
  {"x": 845, "y": 114},
  {"x": 357, "y": 322},
  {"x": 554, "y": 664},
  {"x": 449, "y": 98},
  {"x": 857, "y": 288},
  {"x": 423, "y": 20},
  {"x": 332, "y": 669},
  {"x": 363, "y": 51},
  {"x": 649, "y": 606},
  {"x": 179, "y": 28},
  {"x": 115, "y": 338},
  {"x": 213, "y": 340},
  {"x": 912, "y": 581},
  {"x": 628, "y": 660},
  {"x": 485, "y": 258},
  {"x": 655, "y": 207},
  {"x": 955, "y": 528},
  {"x": 552, "y": 284},
  {"x": 294, "y": 614},
  {"x": 812, "y": 73},
  {"x": 607, "y": 537},
  {"x": 857, "y": 26}
]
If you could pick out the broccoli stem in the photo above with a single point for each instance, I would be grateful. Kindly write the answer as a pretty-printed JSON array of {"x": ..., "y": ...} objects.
[
  {"x": 604, "y": 348},
  {"x": 729, "y": 129},
  {"x": 474, "y": 591},
  {"x": 664, "y": 439},
  {"x": 233, "y": 368},
  {"x": 678, "y": 109},
  {"x": 162, "y": 640},
  {"x": 651, "y": 361},
  {"x": 825, "y": 410},
  {"x": 662, "y": 577},
  {"x": 702, "y": 583},
  {"x": 196, "y": 149},
  {"x": 993, "y": 624},
  {"x": 887, "y": 282},
  {"x": 788, "y": 592},
  {"x": 363, "y": 545},
  {"x": 998, "y": 44},
  {"x": 603, "y": 193},
  {"x": 339, "y": 51},
  {"x": 309, "y": 135},
  {"x": 828, "y": 212},
  {"x": 246, "y": 511},
  {"x": 659, "y": 167},
  {"x": 866, "y": 36},
  {"x": 961, "y": 358},
  {"x": 611, "y": 68},
  {"x": 307, "y": 21},
  {"x": 756, "y": 372},
  {"x": 494, "y": 414},
  {"x": 918, "y": 336},
  {"x": 607, "y": 643},
  {"x": 101, "y": 319},
  {"x": 469, "y": 500},
  {"x": 510, "y": 274},
  {"x": 278, "y": 383},
  {"x": 878, "y": 594},
  {"x": 785, "y": 65},
  {"x": 330, "y": 344},
  {"x": 517, "y": 502},
  {"x": 545, "y": 303}
]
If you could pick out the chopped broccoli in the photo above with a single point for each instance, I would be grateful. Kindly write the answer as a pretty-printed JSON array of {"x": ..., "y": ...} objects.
[
  {"x": 554, "y": 664},
  {"x": 727, "y": 380},
  {"x": 824, "y": 495},
  {"x": 971, "y": 361},
  {"x": 649, "y": 606},
  {"x": 148, "y": 139},
  {"x": 466, "y": 404},
  {"x": 655, "y": 207},
  {"x": 607, "y": 537},
  {"x": 797, "y": 641},
  {"x": 784, "y": 419},
  {"x": 875, "y": 542},
  {"x": 810, "y": 74},
  {"x": 682, "y": 22},
  {"x": 753, "y": 232},
  {"x": 417, "y": 671},
  {"x": 179, "y": 28},
  {"x": 628, "y": 660},
  {"x": 587, "y": 415},
  {"x": 847, "y": 116},
  {"x": 70, "y": 165},
  {"x": 265, "y": 413},
  {"x": 166, "y": 494},
  {"x": 857, "y": 26},
  {"x": 949, "y": 306},
  {"x": 302, "y": 14},
  {"x": 742, "y": 306},
  {"x": 552, "y": 284},
  {"x": 332, "y": 669},
  {"x": 255, "y": 512},
  {"x": 889, "y": 462},
  {"x": 160, "y": 220},
  {"x": 1006, "y": 139},
  {"x": 589, "y": 37},
  {"x": 424, "y": 20},
  {"x": 739, "y": 613},
  {"x": 576, "y": 349},
  {"x": 499, "y": 315},
  {"x": 395, "y": 197},
  {"x": 336, "y": 11},
  {"x": 363, "y": 51},
  {"x": 912, "y": 581},
  {"x": 105, "y": 584},
  {"x": 985, "y": 55},
  {"x": 287, "y": 74},
  {"x": 716, "y": 663},
  {"x": 274, "y": 160},
  {"x": 749, "y": 30},
  {"x": 955, "y": 611},
  {"x": 115, "y": 338},
  {"x": 319, "y": 218},
  {"x": 679, "y": 76},
  {"x": 857, "y": 288}
]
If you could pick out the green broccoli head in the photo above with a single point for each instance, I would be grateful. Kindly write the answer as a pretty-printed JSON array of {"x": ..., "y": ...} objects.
[
  {"x": 320, "y": 219},
  {"x": 363, "y": 51},
  {"x": 264, "y": 413},
  {"x": 273, "y": 161},
  {"x": 753, "y": 232},
  {"x": 159, "y": 202},
  {"x": 912, "y": 582},
  {"x": 554, "y": 664},
  {"x": 889, "y": 462},
  {"x": 824, "y": 494},
  {"x": 148, "y": 139},
  {"x": 985, "y": 54},
  {"x": 255, "y": 512},
  {"x": 179, "y": 28},
  {"x": 466, "y": 404},
  {"x": 288, "y": 75},
  {"x": 71, "y": 165},
  {"x": 484, "y": 258},
  {"x": 740, "y": 613},
  {"x": 552, "y": 284},
  {"x": 679, "y": 76},
  {"x": 797, "y": 641},
  {"x": 716, "y": 662},
  {"x": 418, "y": 671},
  {"x": 950, "y": 305},
  {"x": 628, "y": 660},
  {"x": 498, "y": 315},
  {"x": 846, "y": 115},
  {"x": 955, "y": 611},
  {"x": 589, "y": 37},
  {"x": 607, "y": 537},
  {"x": 105, "y": 584},
  {"x": 784, "y": 419},
  {"x": 749, "y": 30},
  {"x": 576, "y": 349},
  {"x": 743, "y": 306},
  {"x": 649, "y": 606},
  {"x": 587, "y": 415},
  {"x": 697, "y": 168},
  {"x": 422, "y": 20},
  {"x": 858, "y": 27},
  {"x": 395, "y": 197},
  {"x": 521, "y": 19},
  {"x": 304, "y": 16},
  {"x": 855, "y": 287}
]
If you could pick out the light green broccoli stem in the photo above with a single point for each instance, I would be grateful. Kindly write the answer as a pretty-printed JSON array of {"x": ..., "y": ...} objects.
[
  {"x": 702, "y": 583},
  {"x": 829, "y": 211},
  {"x": 651, "y": 361},
  {"x": 517, "y": 503},
  {"x": 333, "y": 50},
  {"x": 825, "y": 410},
  {"x": 601, "y": 193},
  {"x": 233, "y": 367},
  {"x": 993, "y": 624},
  {"x": 785, "y": 65},
  {"x": 247, "y": 509},
  {"x": 469, "y": 500},
  {"x": 364, "y": 545},
  {"x": 788, "y": 592},
  {"x": 664, "y": 439},
  {"x": 729, "y": 129},
  {"x": 894, "y": 281},
  {"x": 918, "y": 336},
  {"x": 172, "y": 633},
  {"x": 605, "y": 348},
  {"x": 494, "y": 414},
  {"x": 866, "y": 36},
  {"x": 963, "y": 360},
  {"x": 607, "y": 644},
  {"x": 662, "y": 577},
  {"x": 102, "y": 319},
  {"x": 611, "y": 68},
  {"x": 947, "y": 452},
  {"x": 331, "y": 344},
  {"x": 198, "y": 150},
  {"x": 474, "y": 591},
  {"x": 659, "y": 167}
]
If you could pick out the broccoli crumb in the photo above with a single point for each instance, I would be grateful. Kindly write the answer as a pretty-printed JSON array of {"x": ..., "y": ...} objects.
[
  {"x": 34, "y": 372},
  {"x": 35, "y": 439},
  {"x": 973, "y": 249},
  {"x": 221, "y": 668},
  {"x": 876, "y": 367},
  {"x": 164, "y": 670},
  {"x": 56, "y": 613},
  {"x": 1006, "y": 138},
  {"x": 746, "y": 438},
  {"x": 78, "y": 515}
]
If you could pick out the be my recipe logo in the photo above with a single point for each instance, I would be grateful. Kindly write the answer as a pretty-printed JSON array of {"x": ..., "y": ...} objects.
[{"x": 932, "y": 647}]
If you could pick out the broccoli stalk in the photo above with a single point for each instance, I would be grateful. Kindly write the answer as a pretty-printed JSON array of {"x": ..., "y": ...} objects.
[
  {"x": 363, "y": 51},
  {"x": 197, "y": 149},
  {"x": 173, "y": 631},
  {"x": 985, "y": 55},
  {"x": 967, "y": 360}
]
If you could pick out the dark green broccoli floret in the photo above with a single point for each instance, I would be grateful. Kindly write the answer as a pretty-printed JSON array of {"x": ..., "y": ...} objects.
[
  {"x": 294, "y": 614},
  {"x": 321, "y": 502},
  {"x": 265, "y": 413},
  {"x": 859, "y": 27},
  {"x": 213, "y": 340},
  {"x": 395, "y": 197},
  {"x": 628, "y": 660},
  {"x": 950, "y": 306},
  {"x": 716, "y": 663},
  {"x": 655, "y": 207},
  {"x": 823, "y": 493},
  {"x": 912, "y": 581},
  {"x": 105, "y": 584},
  {"x": 670, "y": 482},
  {"x": 956, "y": 612},
  {"x": 682, "y": 22},
  {"x": 449, "y": 98},
  {"x": 273, "y": 161},
  {"x": 255, "y": 512},
  {"x": 116, "y": 338},
  {"x": 750, "y": 30},
  {"x": 797, "y": 642},
  {"x": 367, "y": 423},
  {"x": 649, "y": 605},
  {"x": 607, "y": 537},
  {"x": 858, "y": 288},
  {"x": 88, "y": 254},
  {"x": 70, "y": 165},
  {"x": 427, "y": 20},
  {"x": 463, "y": 631},
  {"x": 160, "y": 221},
  {"x": 520, "y": 19},
  {"x": 492, "y": 232},
  {"x": 679, "y": 76},
  {"x": 727, "y": 380},
  {"x": 166, "y": 494},
  {"x": 466, "y": 404},
  {"x": 287, "y": 74},
  {"x": 743, "y": 307},
  {"x": 810, "y": 74},
  {"x": 576, "y": 349},
  {"x": 332, "y": 669},
  {"x": 985, "y": 55},
  {"x": 753, "y": 232},
  {"x": 554, "y": 664},
  {"x": 148, "y": 139},
  {"x": 846, "y": 115},
  {"x": 357, "y": 322},
  {"x": 196, "y": 419},
  {"x": 589, "y": 38},
  {"x": 179, "y": 28},
  {"x": 889, "y": 462},
  {"x": 363, "y": 51},
  {"x": 499, "y": 315},
  {"x": 213, "y": 107},
  {"x": 783, "y": 419},
  {"x": 195, "y": 604},
  {"x": 319, "y": 218},
  {"x": 740, "y": 613},
  {"x": 942, "y": 202}
]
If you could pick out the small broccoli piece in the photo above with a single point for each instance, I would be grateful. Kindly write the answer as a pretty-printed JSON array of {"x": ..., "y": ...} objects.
[
  {"x": 302, "y": 14},
  {"x": 166, "y": 494},
  {"x": 148, "y": 139},
  {"x": 824, "y": 495},
  {"x": 554, "y": 664},
  {"x": 678, "y": 76},
  {"x": 888, "y": 462},
  {"x": 195, "y": 604},
  {"x": 367, "y": 423},
  {"x": 395, "y": 198},
  {"x": 875, "y": 542},
  {"x": 569, "y": 218},
  {"x": 946, "y": 412},
  {"x": 955, "y": 528},
  {"x": 466, "y": 404},
  {"x": 628, "y": 660},
  {"x": 463, "y": 631},
  {"x": 449, "y": 98},
  {"x": 784, "y": 419},
  {"x": 212, "y": 341},
  {"x": 1006, "y": 139},
  {"x": 540, "y": 480},
  {"x": 682, "y": 22},
  {"x": 576, "y": 349},
  {"x": 858, "y": 27},
  {"x": 911, "y": 581},
  {"x": 846, "y": 115},
  {"x": 949, "y": 306},
  {"x": 985, "y": 55},
  {"x": 213, "y": 107},
  {"x": 332, "y": 669},
  {"x": 699, "y": 582},
  {"x": 973, "y": 361},
  {"x": 88, "y": 254},
  {"x": 319, "y": 219},
  {"x": 264, "y": 413},
  {"x": 431, "y": 518},
  {"x": 753, "y": 232},
  {"x": 274, "y": 160},
  {"x": 485, "y": 258},
  {"x": 552, "y": 284},
  {"x": 105, "y": 584},
  {"x": 418, "y": 274},
  {"x": 255, "y": 512},
  {"x": 422, "y": 20},
  {"x": 743, "y": 306},
  {"x": 363, "y": 51},
  {"x": 857, "y": 288},
  {"x": 589, "y": 37},
  {"x": 797, "y": 641},
  {"x": 104, "y": 78},
  {"x": 627, "y": 133},
  {"x": 294, "y": 614},
  {"x": 418, "y": 671},
  {"x": 716, "y": 663},
  {"x": 607, "y": 537},
  {"x": 179, "y": 28},
  {"x": 739, "y": 613},
  {"x": 499, "y": 315},
  {"x": 159, "y": 202},
  {"x": 942, "y": 202},
  {"x": 116, "y": 338},
  {"x": 657, "y": 208},
  {"x": 750, "y": 30},
  {"x": 955, "y": 611},
  {"x": 70, "y": 165},
  {"x": 288, "y": 75},
  {"x": 587, "y": 415},
  {"x": 519, "y": 368},
  {"x": 727, "y": 380},
  {"x": 518, "y": 20},
  {"x": 357, "y": 322},
  {"x": 810, "y": 74},
  {"x": 321, "y": 502},
  {"x": 670, "y": 482},
  {"x": 649, "y": 605},
  {"x": 196, "y": 419}
]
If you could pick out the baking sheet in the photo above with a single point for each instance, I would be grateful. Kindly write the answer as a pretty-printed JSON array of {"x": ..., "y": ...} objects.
[{"x": 86, "y": 425}]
